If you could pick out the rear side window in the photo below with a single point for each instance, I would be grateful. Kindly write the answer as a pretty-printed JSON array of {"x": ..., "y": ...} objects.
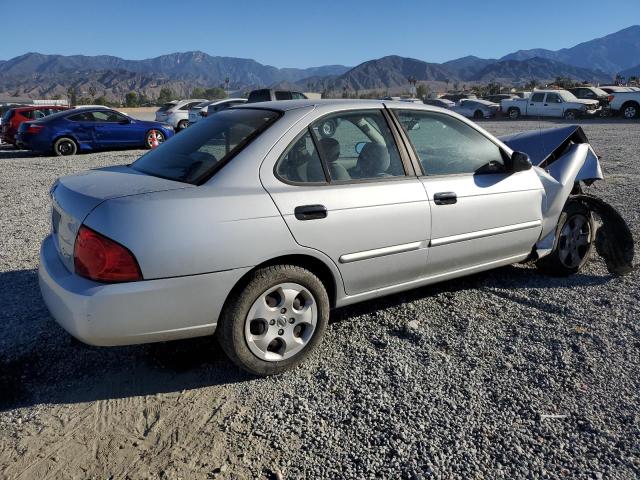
[
  {"x": 259, "y": 96},
  {"x": 82, "y": 117},
  {"x": 537, "y": 97},
  {"x": 28, "y": 114},
  {"x": 300, "y": 163},
  {"x": 166, "y": 106},
  {"x": 197, "y": 153}
]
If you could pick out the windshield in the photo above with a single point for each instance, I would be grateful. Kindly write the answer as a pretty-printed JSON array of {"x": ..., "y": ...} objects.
[
  {"x": 198, "y": 152},
  {"x": 567, "y": 96}
]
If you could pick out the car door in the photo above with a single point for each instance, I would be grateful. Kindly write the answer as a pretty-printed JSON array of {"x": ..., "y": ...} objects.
[
  {"x": 115, "y": 130},
  {"x": 536, "y": 104},
  {"x": 553, "y": 106},
  {"x": 482, "y": 215},
  {"x": 353, "y": 196},
  {"x": 83, "y": 128}
]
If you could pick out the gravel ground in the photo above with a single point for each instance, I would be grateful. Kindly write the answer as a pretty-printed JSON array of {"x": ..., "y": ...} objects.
[{"x": 506, "y": 374}]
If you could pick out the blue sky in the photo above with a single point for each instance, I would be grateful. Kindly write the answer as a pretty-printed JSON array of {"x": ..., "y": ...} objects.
[{"x": 303, "y": 34}]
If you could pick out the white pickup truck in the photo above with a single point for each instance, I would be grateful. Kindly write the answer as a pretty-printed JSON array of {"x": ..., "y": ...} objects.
[
  {"x": 626, "y": 104},
  {"x": 550, "y": 103}
]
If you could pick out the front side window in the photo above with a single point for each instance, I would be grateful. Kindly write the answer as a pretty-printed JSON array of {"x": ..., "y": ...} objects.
[
  {"x": 198, "y": 152},
  {"x": 283, "y": 95},
  {"x": 108, "y": 116},
  {"x": 553, "y": 98},
  {"x": 447, "y": 146}
]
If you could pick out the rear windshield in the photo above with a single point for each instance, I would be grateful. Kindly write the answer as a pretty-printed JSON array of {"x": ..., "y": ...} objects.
[
  {"x": 7, "y": 116},
  {"x": 197, "y": 153},
  {"x": 166, "y": 107}
]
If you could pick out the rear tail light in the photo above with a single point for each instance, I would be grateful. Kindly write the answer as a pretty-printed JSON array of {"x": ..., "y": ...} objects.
[
  {"x": 99, "y": 258},
  {"x": 610, "y": 98},
  {"x": 34, "y": 128},
  {"x": 203, "y": 113}
]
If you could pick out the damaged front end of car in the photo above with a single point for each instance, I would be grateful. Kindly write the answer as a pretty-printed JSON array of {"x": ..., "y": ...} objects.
[{"x": 564, "y": 160}]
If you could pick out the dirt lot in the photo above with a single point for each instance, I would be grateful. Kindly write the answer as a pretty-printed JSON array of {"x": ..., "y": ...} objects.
[{"x": 506, "y": 374}]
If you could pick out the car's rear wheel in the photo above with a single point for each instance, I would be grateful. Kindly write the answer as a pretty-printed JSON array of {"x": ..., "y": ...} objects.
[
  {"x": 64, "y": 146},
  {"x": 182, "y": 124},
  {"x": 514, "y": 113},
  {"x": 630, "y": 110},
  {"x": 570, "y": 115},
  {"x": 275, "y": 321},
  {"x": 154, "y": 138},
  {"x": 573, "y": 244},
  {"x": 478, "y": 114}
]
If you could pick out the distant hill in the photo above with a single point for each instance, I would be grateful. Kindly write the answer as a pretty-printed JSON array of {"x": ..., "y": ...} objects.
[
  {"x": 40, "y": 75},
  {"x": 517, "y": 71},
  {"x": 631, "y": 72},
  {"x": 467, "y": 68},
  {"x": 612, "y": 53}
]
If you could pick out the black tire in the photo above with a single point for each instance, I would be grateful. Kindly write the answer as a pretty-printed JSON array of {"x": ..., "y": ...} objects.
[
  {"x": 231, "y": 325},
  {"x": 182, "y": 124},
  {"x": 327, "y": 128},
  {"x": 478, "y": 115},
  {"x": 556, "y": 264},
  {"x": 570, "y": 115},
  {"x": 148, "y": 142},
  {"x": 630, "y": 110},
  {"x": 514, "y": 113},
  {"x": 65, "y": 146}
]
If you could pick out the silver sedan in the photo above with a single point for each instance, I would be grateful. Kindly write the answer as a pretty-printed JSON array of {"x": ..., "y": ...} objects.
[{"x": 253, "y": 223}]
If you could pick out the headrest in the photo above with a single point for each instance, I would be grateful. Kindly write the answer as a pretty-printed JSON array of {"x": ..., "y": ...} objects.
[
  {"x": 329, "y": 149},
  {"x": 374, "y": 159}
]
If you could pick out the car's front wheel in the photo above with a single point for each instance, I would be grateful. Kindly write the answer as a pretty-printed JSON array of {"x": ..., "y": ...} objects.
[
  {"x": 182, "y": 124},
  {"x": 275, "y": 321},
  {"x": 64, "y": 146},
  {"x": 154, "y": 138},
  {"x": 574, "y": 242},
  {"x": 570, "y": 115},
  {"x": 478, "y": 114}
]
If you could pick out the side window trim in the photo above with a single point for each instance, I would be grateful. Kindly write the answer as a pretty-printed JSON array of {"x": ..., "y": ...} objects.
[{"x": 307, "y": 130}]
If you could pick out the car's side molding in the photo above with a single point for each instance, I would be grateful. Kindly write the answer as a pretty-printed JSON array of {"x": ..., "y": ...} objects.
[
  {"x": 380, "y": 252},
  {"x": 436, "y": 242}
]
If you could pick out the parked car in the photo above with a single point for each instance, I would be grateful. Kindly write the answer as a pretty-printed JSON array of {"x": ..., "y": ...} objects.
[
  {"x": 211, "y": 106},
  {"x": 593, "y": 93},
  {"x": 14, "y": 117},
  {"x": 626, "y": 104},
  {"x": 456, "y": 97},
  {"x": 497, "y": 98},
  {"x": 476, "y": 108},
  {"x": 615, "y": 89},
  {"x": 267, "y": 95},
  {"x": 4, "y": 108},
  {"x": 440, "y": 102},
  {"x": 277, "y": 226},
  {"x": 87, "y": 129},
  {"x": 551, "y": 103},
  {"x": 176, "y": 113}
]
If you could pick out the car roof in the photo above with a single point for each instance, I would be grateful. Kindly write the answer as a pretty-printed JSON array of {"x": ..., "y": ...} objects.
[{"x": 286, "y": 105}]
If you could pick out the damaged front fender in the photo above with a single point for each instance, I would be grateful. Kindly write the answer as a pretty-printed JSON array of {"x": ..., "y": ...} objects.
[{"x": 562, "y": 157}]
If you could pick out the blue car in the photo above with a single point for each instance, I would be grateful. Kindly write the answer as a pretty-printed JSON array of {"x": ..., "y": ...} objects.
[{"x": 89, "y": 129}]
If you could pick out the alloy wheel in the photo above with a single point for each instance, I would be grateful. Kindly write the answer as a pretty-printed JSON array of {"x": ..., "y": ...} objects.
[
  {"x": 281, "y": 322},
  {"x": 630, "y": 112},
  {"x": 574, "y": 241}
]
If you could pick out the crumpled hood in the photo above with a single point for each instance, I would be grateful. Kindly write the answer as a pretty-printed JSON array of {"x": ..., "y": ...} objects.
[{"x": 544, "y": 144}]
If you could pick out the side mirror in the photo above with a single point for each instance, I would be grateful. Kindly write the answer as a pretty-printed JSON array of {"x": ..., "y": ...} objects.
[
  {"x": 359, "y": 147},
  {"x": 520, "y": 162}
]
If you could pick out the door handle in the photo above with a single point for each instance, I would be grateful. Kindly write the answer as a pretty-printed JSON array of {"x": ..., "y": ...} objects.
[
  {"x": 445, "y": 198},
  {"x": 310, "y": 212}
]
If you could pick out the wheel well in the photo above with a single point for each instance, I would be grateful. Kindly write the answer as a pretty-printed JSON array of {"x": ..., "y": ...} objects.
[
  {"x": 315, "y": 266},
  {"x": 70, "y": 137},
  {"x": 512, "y": 109},
  {"x": 629, "y": 103}
]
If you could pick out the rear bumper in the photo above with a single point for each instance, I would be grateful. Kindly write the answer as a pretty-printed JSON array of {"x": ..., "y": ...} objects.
[{"x": 135, "y": 312}]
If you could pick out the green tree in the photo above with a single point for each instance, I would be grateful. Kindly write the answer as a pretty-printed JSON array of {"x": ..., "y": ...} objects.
[
  {"x": 214, "y": 93},
  {"x": 198, "y": 93},
  {"x": 166, "y": 95},
  {"x": 422, "y": 91},
  {"x": 131, "y": 99}
]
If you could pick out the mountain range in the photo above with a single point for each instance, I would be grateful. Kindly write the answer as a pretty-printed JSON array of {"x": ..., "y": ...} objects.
[{"x": 39, "y": 75}]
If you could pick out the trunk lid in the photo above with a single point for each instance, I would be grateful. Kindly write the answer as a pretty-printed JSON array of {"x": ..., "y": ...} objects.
[{"x": 74, "y": 197}]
